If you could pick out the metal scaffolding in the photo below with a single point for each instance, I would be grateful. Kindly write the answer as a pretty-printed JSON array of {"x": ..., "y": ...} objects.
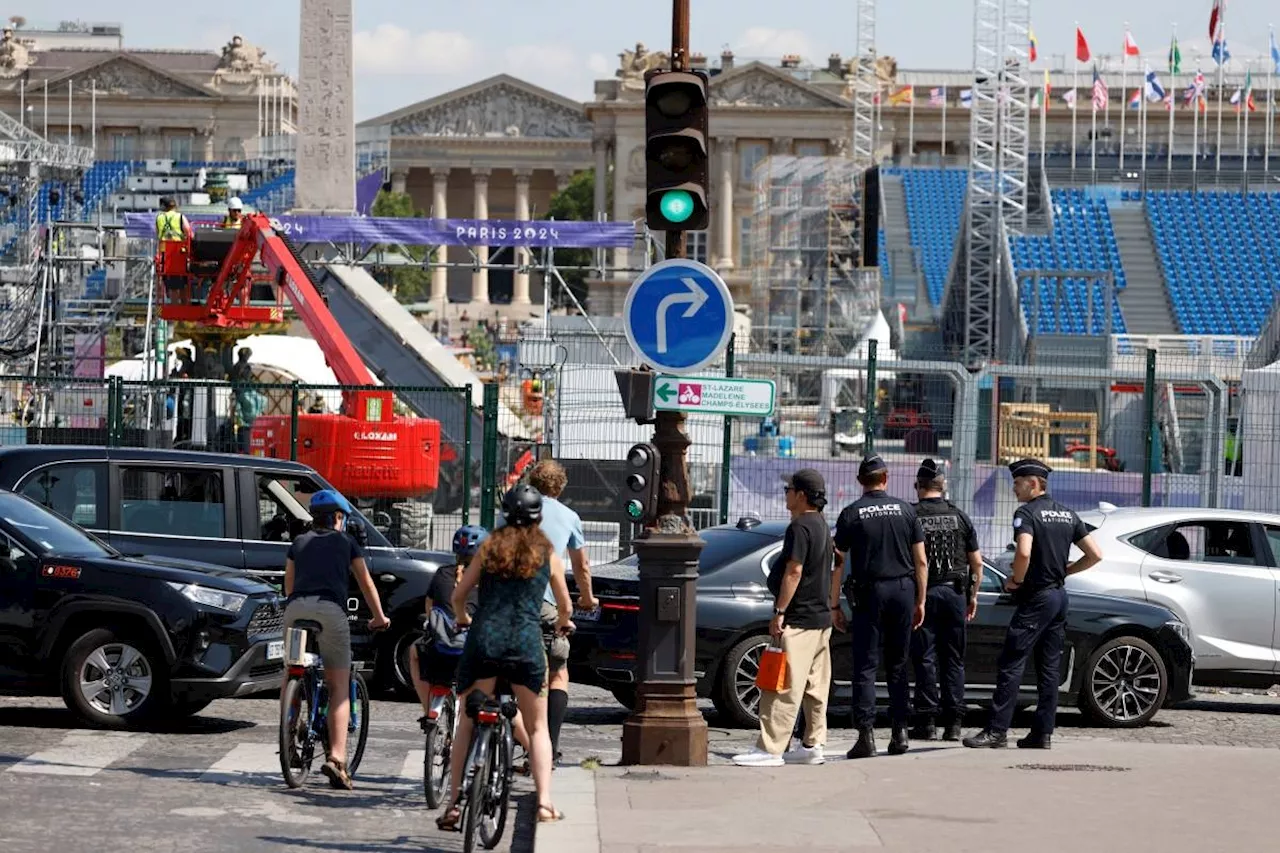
[
  {"x": 865, "y": 86},
  {"x": 811, "y": 291}
]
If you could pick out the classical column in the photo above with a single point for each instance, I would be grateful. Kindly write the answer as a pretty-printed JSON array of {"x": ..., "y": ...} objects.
[
  {"x": 480, "y": 278},
  {"x": 520, "y": 282},
  {"x": 440, "y": 210},
  {"x": 399, "y": 180},
  {"x": 725, "y": 202},
  {"x": 601, "y": 149}
]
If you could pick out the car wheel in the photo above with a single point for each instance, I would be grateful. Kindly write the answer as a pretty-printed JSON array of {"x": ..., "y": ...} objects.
[
  {"x": 114, "y": 679},
  {"x": 626, "y": 696},
  {"x": 1124, "y": 683},
  {"x": 738, "y": 698},
  {"x": 393, "y": 661}
]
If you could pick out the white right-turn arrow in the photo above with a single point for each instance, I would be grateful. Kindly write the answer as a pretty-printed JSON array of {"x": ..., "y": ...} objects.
[{"x": 695, "y": 296}]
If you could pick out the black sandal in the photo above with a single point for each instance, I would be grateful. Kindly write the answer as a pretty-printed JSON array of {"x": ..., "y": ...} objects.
[
  {"x": 336, "y": 771},
  {"x": 448, "y": 822},
  {"x": 555, "y": 814}
]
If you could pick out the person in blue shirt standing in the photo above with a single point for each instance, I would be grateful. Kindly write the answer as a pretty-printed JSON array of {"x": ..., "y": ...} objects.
[
  {"x": 563, "y": 528},
  {"x": 317, "y": 575}
]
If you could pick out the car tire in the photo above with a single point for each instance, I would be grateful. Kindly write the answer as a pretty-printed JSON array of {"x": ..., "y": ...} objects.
[
  {"x": 626, "y": 696},
  {"x": 736, "y": 697},
  {"x": 1124, "y": 683},
  {"x": 126, "y": 696},
  {"x": 393, "y": 660}
]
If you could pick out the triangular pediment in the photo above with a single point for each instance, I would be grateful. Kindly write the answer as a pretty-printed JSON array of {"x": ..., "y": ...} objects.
[
  {"x": 502, "y": 106},
  {"x": 758, "y": 85},
  {"x": 122, "y": 74}
]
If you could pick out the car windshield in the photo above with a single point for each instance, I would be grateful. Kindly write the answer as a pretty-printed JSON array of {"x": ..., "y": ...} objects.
[
  {"x": 46, "y": 533},
  {"x": 723, "y": 546}
]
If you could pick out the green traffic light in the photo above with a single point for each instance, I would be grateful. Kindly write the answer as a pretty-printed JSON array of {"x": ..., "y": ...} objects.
[
  {"x": 635, "y": 510},
  {"x": 676, "y": 206}
]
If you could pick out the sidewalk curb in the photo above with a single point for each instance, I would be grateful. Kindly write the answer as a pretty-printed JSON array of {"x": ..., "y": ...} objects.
[{"x": 574, "y": 793}]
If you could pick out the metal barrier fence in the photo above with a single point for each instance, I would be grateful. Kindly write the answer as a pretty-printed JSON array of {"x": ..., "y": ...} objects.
[{"x": 416, "y": 478}]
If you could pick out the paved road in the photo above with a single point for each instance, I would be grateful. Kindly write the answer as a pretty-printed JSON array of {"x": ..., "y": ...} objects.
[{"x": 213, "y": 783}]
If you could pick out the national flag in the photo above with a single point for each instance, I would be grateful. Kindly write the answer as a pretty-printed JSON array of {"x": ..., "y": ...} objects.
[
  {"x": 1069, "y": 98},
  {"x": 1155, "y": 92},
  {"x": 1275, "y": 52},
  {"x": 1175, "y": 57},
  {"x": 966, "y": 98},
  {"x": 1082, "y": 46},
  {"x": 1235, "y": 99},
  {"x": 1135, "y": 100},
  {"x": 1220, "y": 53},
  {"x": 1031, "y": 49},
  {"x": 1048, "y": 89},
  {"x": 903, "y": 95},
  {"x": 1248, "y": 91},
  {"x": 1100, "y": 93},
  {"x": 1215, "y": 15},
  {"x": 938, "y": 97},
  {"x": 1130, "y": 46},
  {"x": 1037, "y": 100}
]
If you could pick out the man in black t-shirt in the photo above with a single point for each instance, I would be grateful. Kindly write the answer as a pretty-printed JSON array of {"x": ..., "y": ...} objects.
[
  {"x": 888, "y": 575},
  {"x": 801, "y": 581},
  {"x": 1043, "y": 532}
]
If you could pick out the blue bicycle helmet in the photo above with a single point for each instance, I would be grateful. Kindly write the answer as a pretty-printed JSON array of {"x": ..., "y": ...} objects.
[
  {"x": 466, "y": 542},
  {"x": 327, "y": 500}
]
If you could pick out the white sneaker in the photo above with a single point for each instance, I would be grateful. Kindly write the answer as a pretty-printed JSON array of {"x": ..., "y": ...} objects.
[
  {"x": 805, "y": 755},
  {"x": 758, "y": 758}
]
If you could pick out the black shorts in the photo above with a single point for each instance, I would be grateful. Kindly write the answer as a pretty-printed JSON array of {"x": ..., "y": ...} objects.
[{"x": 436, "y": 667}]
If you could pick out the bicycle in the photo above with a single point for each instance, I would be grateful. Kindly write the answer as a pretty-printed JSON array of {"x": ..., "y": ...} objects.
[
  {"x": 441, "y": 721},
  {"x": 304, "y": 713},
  {"x": 488, "y": 773}
]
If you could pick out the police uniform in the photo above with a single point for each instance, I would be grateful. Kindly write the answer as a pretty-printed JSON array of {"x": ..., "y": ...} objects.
[
  {"x": 877, "y": 532},
  {"x": 1039, "y": 621},
  {"x": 949, "y": 539}
]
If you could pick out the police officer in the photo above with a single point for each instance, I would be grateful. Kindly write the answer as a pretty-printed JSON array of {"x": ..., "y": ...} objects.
[
  {"x": 955, "y": 572},
  {"x": 1043, "y": 531},
  {"x": 885, "y": 589}
]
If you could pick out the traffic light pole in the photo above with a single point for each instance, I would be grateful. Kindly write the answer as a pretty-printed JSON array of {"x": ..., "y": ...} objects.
[{"x": 666, "y": 727}]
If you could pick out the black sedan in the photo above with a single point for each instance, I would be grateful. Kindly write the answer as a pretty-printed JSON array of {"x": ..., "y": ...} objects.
[{"x": 1123, "y": 662}]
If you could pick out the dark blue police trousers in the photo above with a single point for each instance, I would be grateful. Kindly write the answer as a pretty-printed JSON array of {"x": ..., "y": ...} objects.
[
  {"x": 938, "y": 645},
  {"x": 882, "y": 612},
  {"x": 1039, "y": 627}
]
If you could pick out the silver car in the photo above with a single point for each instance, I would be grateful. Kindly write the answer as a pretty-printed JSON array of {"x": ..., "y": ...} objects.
[{"x": 1218, "y": 569}]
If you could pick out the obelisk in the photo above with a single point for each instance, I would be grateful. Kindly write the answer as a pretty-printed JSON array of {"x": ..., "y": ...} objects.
[{"x": 325, "y": 179}]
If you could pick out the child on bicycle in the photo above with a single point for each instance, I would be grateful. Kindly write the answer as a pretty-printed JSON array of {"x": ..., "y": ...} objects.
[
  {"x": 512, "y": 570},
  {"x": 433, "y": 660}
]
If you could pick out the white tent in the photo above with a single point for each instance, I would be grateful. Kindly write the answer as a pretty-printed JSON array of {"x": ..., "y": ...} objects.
[
  {"x": 852, "y": 380},
  {"x": 1259, "y": 424},
  {"x": 275, "y": 359}
]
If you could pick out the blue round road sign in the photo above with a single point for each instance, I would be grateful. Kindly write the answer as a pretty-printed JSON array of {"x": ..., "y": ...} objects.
[{"x": 678, "y": 316}]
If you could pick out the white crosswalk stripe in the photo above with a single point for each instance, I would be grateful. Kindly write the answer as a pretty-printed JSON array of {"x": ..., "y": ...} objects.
[
  {"x": 246, "y": 762},
  {"x": 81, "y": 754}
]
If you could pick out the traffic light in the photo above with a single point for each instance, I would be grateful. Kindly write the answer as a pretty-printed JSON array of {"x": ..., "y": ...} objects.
[
  {"x": 642, "y": 483},
  {"x": 676, "y": 151}
]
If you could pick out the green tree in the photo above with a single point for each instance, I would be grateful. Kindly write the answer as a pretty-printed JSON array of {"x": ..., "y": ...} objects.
[
  {"x": 407, "y": 283},
  {"x": 575, "y": 202}
]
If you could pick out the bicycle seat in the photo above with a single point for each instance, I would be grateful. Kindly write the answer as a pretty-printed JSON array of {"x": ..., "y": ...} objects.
[
  {"x": 309, "y": 625},
  {"x": 478, "y": 701}
]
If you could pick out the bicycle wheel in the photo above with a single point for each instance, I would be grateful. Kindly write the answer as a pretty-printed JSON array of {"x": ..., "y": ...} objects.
[
  {"x": 435, "y": 760},
  {"x": 473, "y": 812},
  {"x": 296, "y": 748},
  {"x": 494, "y": 815},
  {"x": 357, "y": 725}
]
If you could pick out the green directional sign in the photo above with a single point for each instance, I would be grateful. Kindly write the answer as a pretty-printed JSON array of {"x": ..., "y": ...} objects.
[{"x": 713, "y": 395}]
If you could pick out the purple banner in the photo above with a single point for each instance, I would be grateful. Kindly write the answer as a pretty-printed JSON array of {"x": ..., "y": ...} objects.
[
  {"x": 430, "y": 232},
  {"x": 367, "y": 189}
]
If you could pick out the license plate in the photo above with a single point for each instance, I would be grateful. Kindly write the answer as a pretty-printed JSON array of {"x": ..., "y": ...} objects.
[
  {"x": 275, "y": 650},
  {"x": 586, "y": 615}
]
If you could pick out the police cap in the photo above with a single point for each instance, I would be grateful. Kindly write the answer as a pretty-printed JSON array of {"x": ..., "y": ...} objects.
[
  {"x": 929, "y": 471},
  {"x": 872, "y": 464},
  {"x": 1029, "y": 468}
]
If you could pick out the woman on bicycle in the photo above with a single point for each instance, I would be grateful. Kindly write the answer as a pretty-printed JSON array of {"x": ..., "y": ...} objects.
[
  {"x": 429, "y": 665},
  {"x": 512, "y": 570},
  {"x": 316, "y": 582}
]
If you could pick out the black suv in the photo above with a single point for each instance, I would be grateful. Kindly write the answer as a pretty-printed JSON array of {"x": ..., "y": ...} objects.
[
  {"x": 237, "y": 511},
  {"x": 126, "y": 641}
]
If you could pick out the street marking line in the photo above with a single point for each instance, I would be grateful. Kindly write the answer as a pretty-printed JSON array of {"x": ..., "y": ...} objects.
[
  {"x": 80, "y": 754},
  {"x": 411, "y": 770},
  {"x": 244, "y": 763}
]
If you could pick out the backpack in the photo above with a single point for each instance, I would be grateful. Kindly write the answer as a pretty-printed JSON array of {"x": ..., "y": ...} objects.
[{"x": 444, "y": 633}]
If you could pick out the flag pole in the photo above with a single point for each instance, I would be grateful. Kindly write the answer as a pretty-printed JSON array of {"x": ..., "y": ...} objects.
[
  {"x": 1245, "y": 95},
  {"x": 1222, "y": 84},
  {"x": 45, "y": 134},
  {"x": 1075, "y": 84},
  {"x": 1093, "y": 141},
  {"x": 93, "y": 115},
  {"x": 22, "y": 101},
  {"x": 1174, "y": 67},
  {"x": 69, "y": 107},
  {"x": 1271, "y": 114},
  {"x": 1124, "y": 89},
  {"x": 1240, "y": 109},
  {"x": 1195, "y": 120},
  {"x": 1044, "y": 115},
  {"x": 911, "y": 125},
  {"x": 945, "y": 93},
  {"x": 1142, "y": 120}
]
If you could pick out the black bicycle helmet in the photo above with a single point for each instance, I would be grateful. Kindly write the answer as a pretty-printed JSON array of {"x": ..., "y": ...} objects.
[{"x": 522, "y": 506}]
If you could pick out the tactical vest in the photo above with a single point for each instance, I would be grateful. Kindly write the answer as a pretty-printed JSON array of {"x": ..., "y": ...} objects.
[{"x": 944, "y": 541}]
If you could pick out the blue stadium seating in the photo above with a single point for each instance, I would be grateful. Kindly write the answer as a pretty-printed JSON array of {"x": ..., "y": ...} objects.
[
  {"x": 1221, "y": 257},
  {"x": 1082, "y": 238},
  {"x": 935, "y": 205},
  {"x": 272, "y": 196}
]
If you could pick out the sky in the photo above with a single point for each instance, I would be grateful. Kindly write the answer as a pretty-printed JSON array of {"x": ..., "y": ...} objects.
[{"x": 410, "y": 50}]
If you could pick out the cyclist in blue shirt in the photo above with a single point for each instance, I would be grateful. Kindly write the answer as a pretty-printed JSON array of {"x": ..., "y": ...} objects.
[{"x": 316, "y": 582}]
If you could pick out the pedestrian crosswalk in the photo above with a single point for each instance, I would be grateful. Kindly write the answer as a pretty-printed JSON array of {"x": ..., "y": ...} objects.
[{"x": 389, "y": 763}]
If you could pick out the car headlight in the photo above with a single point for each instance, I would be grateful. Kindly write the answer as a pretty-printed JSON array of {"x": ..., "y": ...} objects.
[
  {"x": 230, "y": 601},
  {"x": 1180, "y": 628}
]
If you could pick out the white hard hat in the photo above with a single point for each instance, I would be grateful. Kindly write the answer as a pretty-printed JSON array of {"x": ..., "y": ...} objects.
[{"x": 235, "y": 203}]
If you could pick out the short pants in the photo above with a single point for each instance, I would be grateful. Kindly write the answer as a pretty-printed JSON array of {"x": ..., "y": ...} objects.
[
  {"x": 557, "y": 646},
  {"x": 335, "y": 640}
]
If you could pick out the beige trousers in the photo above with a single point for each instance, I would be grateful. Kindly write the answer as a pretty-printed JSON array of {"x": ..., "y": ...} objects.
[{"x": 809, "y": 667}]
